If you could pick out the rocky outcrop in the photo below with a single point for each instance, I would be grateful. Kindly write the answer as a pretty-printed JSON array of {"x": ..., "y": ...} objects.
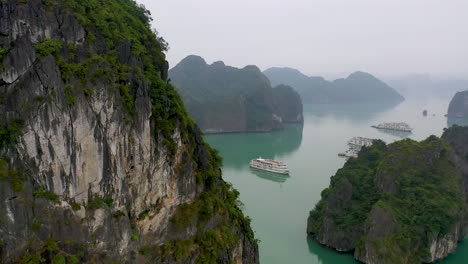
[
  {"x": 98, "y": 159},
  {"x": 224, "y": 99},
  {"x": 401, "y": 203},
  {"x": 458, "y": 106}
]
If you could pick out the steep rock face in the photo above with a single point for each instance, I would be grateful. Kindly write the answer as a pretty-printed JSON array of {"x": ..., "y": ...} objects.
[
  {"x": 458, "y": 106},
  {"x": 225, "y": 99},
  {"x": 288, "y": 104},
  {"x": 381, "y": 225},
  {"x": 98, "y": 160},
  {"x": 358, "y": 87},
  {"x": 401, "y": 203}
]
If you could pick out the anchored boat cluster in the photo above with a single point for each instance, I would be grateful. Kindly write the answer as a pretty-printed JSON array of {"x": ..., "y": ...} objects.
[{"x": 355, "y": 145}]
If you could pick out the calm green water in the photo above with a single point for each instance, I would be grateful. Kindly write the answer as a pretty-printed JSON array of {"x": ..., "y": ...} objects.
[{"x": 279, "y": 205}]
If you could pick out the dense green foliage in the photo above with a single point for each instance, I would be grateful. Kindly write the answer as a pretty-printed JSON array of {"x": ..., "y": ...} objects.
[
  {"x": 360, "y": 174},
  {"x": 432, "y": 194},
  {"x": 8, "y": 136},
  {"x": 10, "y": 133},
  {"x": 359, "y": 87},
  {"x": 15, "y": 177},
  {"x": 3, "y": 53},
  {"x": 416, "y": 182},
  {"x": 48, "y": 195},
  {"x": 75, "y": 206},
  {"x": 429, "y": 201},
  {"x": 119, "y": 21},
  {"x": 50, "y": 252},
  {"x": 48, "y": 47}
]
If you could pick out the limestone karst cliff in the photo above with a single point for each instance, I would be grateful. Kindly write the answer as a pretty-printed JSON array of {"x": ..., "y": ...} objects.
[
  {"x": 458, "y": 106},
  {"x": 99, "y": 161},
  {"x": 359, "y": 87},
  {"x": 288, "y": 104},
  {"x": 223, "y": 99},
  {"x": 405, "y": 202}
]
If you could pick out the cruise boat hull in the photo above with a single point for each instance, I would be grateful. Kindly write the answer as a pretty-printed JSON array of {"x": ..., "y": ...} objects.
[
  {"x": 272, "y": 171},
  {"x": 269, "y": 165},
  {"x": 401, "y": 130}
]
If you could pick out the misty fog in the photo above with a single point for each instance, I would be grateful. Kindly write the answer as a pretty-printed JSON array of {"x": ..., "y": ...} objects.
[{"x": 327, "y": 38}]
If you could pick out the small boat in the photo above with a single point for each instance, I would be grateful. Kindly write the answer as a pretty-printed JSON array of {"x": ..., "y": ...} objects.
[
  {"x": 270, "y": 165},
  {"x": 401, "y": 126}
]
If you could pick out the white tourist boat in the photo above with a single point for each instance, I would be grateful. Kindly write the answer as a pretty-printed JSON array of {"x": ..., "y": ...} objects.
[
  {"x": 270, "y": 165},
  {"x": 359, "y": 142},
  {"x": 355, "y": 145},
  {"x": 401, "y": 126}
]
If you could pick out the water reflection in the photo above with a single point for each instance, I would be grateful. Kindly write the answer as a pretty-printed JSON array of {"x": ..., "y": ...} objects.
[
  {"x": 280, "y": 178},
  {"x": 238, "y": 149},
  {"x": 457, "y": 121},
  {"x": 400, "y": 134},
  {"x": 327, "y": 255},
  {"x": 354, "y": 112}
]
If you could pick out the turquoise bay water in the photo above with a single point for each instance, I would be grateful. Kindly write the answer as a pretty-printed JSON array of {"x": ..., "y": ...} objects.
[{"x": 278, "y": 205}]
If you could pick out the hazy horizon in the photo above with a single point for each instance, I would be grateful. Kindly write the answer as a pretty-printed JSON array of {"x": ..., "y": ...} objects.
[{"x": 332, "y": 38}]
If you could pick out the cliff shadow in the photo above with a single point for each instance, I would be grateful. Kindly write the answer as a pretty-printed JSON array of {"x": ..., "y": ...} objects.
[
  {"x": 239, "y": 149},
  {"x": 328, "y": 255},
  {"x": 395, "y": 133}
]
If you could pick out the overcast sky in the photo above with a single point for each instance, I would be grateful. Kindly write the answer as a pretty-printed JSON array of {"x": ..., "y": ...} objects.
[{"x": 320, "y": 37}]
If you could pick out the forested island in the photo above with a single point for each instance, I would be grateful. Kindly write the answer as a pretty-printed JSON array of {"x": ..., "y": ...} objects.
[
  {"x": 359, "y": 87},
  {"x": 224, "y": 99},
  {"x": 404, "y": 202}
]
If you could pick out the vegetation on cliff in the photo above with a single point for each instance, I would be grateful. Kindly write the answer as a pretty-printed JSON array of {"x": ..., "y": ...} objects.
[
  {"x": 119, "y": 51},
  {"x": 400, "y": 198}
]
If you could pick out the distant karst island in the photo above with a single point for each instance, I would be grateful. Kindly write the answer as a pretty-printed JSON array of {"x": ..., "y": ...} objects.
[
  {"x": 224, "y": 99},
  {"x": 359, "y": 87},
  {"x": 459, "y": 105}
]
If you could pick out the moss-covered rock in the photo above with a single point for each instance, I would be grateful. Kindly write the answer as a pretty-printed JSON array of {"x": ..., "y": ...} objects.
[{"x": 401, "y": 203}]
